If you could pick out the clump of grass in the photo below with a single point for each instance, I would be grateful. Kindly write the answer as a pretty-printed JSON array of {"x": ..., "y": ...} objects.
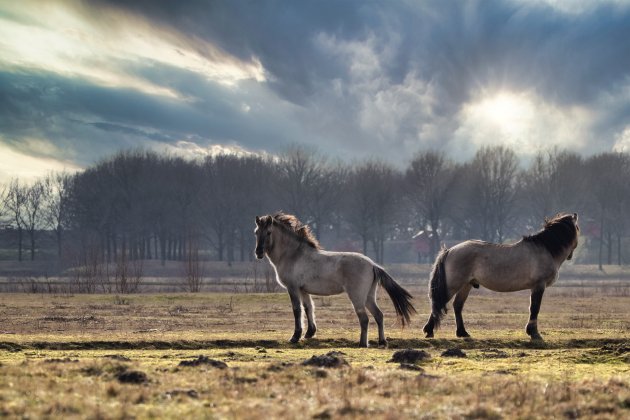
[
  {"x": 204, "y": 360},
  {"x": 132, "y": 377},
  {"x": 409, "y": 356},
  {"x": 333, "y": 359}
]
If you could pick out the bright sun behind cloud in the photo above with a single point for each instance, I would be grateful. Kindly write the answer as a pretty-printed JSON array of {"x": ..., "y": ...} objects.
[
  {"x": 520, "y": 120},
  {"x": 510, "y": 113}
]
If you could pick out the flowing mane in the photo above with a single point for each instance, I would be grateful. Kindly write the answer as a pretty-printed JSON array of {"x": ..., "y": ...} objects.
[
  {"x": 556, "y": 235},
  {"x": 291, "y": 224}
]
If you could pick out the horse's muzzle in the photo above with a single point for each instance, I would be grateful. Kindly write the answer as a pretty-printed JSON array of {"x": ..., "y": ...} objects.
[{"x": 259, "y": 254}]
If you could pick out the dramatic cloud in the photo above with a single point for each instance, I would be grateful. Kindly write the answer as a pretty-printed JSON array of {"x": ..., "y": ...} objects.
[{"x": 81, "y": 80}]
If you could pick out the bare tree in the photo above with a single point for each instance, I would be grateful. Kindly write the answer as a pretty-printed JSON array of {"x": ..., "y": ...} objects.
[
  {"x": 55, "y": 213},
  {"x": 298, "y": 170},
  {"x": 538, "y": 186},
  {"x": 3, "y": 203},
  {"x": 89, "y": 270},
  {"x": 193, "y": 267},
  {"x": 554, "y": 182},
  {"x": 220, "y": 199},
  {"x": 429, "y": 183},
  {"x": 16, "y": 205},
  {"x": 310, "y": 186},
  {"x": 255, "y": 197},
  {"x": 493, "y": 200},
  {"x": 608, "y": 175},
  {"x": 371, "y": 198},
  {"x": 325, "y": 192},
  {"x": 32, "y": 214}
]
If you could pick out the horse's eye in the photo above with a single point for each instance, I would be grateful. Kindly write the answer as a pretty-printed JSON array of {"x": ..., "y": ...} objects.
[{"x": 268, "y": 232}]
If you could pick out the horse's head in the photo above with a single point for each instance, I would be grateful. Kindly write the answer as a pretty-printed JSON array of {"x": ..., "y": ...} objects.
[
  {"x": 559, "y": 236},
  {"x": 574, "y": 220},
  {"x": 264, "y": 240}
]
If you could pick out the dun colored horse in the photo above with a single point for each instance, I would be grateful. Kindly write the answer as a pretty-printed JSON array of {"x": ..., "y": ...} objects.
[
  {"x": 305, "y": 269},
  {"x": 531, "y": 263}
]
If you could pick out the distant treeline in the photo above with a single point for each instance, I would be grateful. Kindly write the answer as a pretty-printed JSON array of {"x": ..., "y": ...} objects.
[{"x": 142, "y": 205}]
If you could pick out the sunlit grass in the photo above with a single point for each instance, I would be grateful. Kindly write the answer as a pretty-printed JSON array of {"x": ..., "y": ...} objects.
[{"x": 60, "y": 357}]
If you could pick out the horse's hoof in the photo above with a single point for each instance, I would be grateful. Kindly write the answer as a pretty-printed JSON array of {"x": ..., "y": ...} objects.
[
  {"x": 536, "y": 337},
  {"x": 382, "y": 344},
  {"x": 310, "y": 334},
  {"x": 294, "y": 340},
  {"x": 363, "y": 345},
  {"x": 428, "y": 334},
  {"x": 462, "y": 334}
]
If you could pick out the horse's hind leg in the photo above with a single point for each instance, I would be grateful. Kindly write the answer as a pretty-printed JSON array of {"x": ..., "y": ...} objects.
[
  {"x": 428, "y": 327},
  {"x": 363, "y": 321},
  {"x": 378, "y": 316},
  {"x": 534, "y": 308},
  {"x": 296, "y": 303},
  {"x": 309, "y": 308},
  {"x": 358, "y": 302},
  {"x": 458, "y": 306}
]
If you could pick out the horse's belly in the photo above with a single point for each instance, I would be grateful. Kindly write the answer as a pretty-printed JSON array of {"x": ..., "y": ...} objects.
[
  {"x": 505, "y": 281},
  {"x": 323, "y": 288},
  {"x": 505, "y": 287}
]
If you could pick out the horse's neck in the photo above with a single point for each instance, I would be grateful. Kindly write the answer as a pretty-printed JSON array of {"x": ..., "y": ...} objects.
[{"x": 286, "y": 250}]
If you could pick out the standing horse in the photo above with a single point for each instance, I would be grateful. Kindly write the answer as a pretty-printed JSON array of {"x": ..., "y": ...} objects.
[
  {"x": 305, "y": 269},
  {"x": 531, "y": 263}
]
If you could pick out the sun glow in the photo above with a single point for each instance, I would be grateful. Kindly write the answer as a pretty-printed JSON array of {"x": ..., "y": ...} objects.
[
  {"x": 521, "y": 120},
  {"x": 510, "y": 113}
]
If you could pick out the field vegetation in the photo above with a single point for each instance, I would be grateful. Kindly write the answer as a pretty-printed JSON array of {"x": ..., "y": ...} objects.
[{"x": 226, "y": 355}]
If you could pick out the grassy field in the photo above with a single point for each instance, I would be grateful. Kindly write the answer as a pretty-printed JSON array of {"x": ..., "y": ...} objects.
[{"x": 104, "y": 356}]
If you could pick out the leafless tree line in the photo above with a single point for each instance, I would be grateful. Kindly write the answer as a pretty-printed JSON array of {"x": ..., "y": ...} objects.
[{"x": 141, "y": 205}]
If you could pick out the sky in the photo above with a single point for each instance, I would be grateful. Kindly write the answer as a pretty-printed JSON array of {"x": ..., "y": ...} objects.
[{"x": 82, "y": 80}]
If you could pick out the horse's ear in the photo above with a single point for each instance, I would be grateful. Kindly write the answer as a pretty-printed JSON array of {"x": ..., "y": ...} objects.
[
  {"x": 257, "y": 221},
  {"x": 575, "y": 217}
]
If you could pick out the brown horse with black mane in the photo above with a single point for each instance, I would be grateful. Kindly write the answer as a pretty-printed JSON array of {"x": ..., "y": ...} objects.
[
  {"x": 305, "y": 269},
  {"x": 531, "y": 263}
]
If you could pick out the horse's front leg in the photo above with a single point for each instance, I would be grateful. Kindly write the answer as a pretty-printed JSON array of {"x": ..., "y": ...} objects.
[
  {"x": 534, "y": 308},
  {"x": 309, "y": 308},
  {"x": 296, "y": 303}
]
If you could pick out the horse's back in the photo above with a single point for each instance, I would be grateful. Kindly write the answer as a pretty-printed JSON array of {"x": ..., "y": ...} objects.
[
  {"x": 333, "y": 272},
  {"x": 502, "y": 268},
  {"x": 349, "y": 264}
]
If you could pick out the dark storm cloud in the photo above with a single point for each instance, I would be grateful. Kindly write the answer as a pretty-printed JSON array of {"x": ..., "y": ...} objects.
[
  {"x": 100, "y": 119},
  {"x": 457, "y": 44},
  {"x": 278, "y": 32},
  {"x": 369, "y": 78}
]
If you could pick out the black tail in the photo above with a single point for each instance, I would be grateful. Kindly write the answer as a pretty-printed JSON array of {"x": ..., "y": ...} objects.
[
  {"x": 438, "y": 290},
  {"x": 399, "y": 296}
]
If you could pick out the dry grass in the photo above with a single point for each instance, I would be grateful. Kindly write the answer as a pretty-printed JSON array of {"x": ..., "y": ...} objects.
[{"x": 63, "y": 356}]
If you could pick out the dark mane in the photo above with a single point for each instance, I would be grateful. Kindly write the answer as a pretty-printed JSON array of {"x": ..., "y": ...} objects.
[
  {"x": 556, "y": 235},
  {"x": 291, "y": 224}
]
